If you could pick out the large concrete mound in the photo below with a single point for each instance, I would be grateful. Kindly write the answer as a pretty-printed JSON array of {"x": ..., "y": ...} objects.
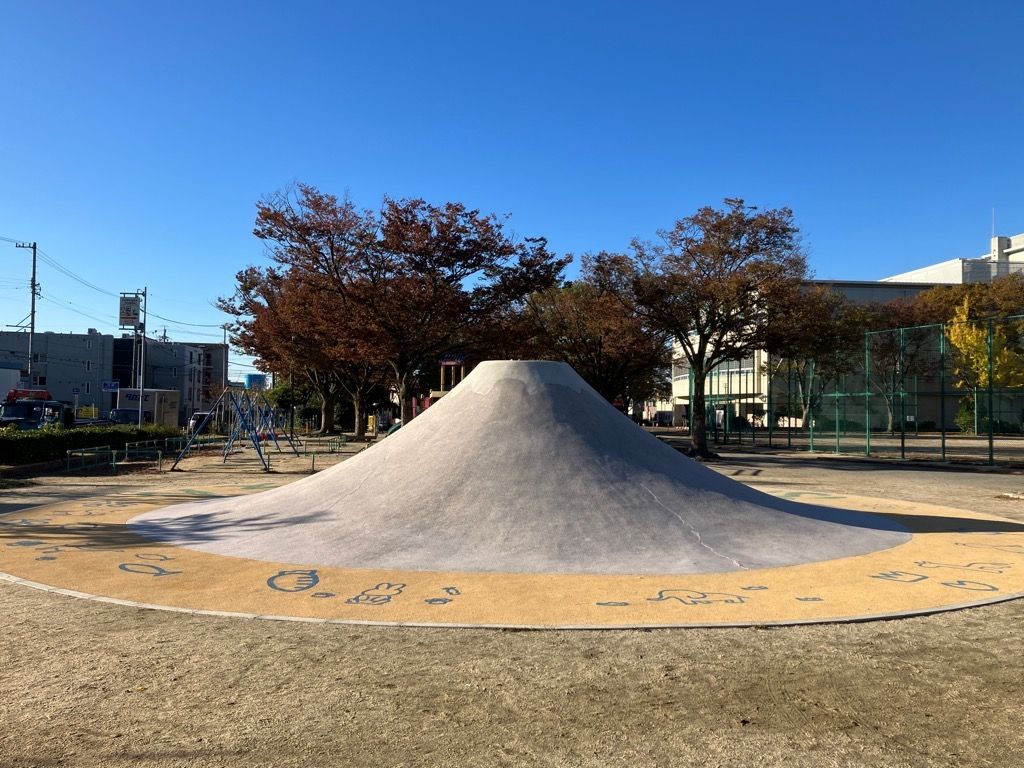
[{"x": 521, "y": 468}]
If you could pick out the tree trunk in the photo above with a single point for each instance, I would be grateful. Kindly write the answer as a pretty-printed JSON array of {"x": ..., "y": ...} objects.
[
  {"x": 698, "y": 418},
  {"x": 402, "y": 387},
  {"x": 357, "y": 409},
  {"x": 890, "y": 415},
  {"x": 326, "y": 412},
  {"x": 805, "y": 401}
]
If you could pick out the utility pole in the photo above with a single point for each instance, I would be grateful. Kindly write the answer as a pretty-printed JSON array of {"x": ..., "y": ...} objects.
[
  {"x": 222, "y": 408},
  {"x": 33, "y": 287},
  {"x": 142, "y": 363},
  {"x": 224, "y": 374}
]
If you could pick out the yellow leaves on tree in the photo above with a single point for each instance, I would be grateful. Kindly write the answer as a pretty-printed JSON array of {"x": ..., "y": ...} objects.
[{"x": 971, "y": 340}]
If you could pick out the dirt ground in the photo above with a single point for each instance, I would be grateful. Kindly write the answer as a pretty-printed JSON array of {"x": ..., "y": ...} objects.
[{"x": 88, "y": 684}]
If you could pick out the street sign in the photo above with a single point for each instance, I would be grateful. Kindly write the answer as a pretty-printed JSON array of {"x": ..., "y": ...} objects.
[
  {"x": 111, "y": 386},
  {"x": 129, "y": 311},
  {"x": 76, "y": 390}
]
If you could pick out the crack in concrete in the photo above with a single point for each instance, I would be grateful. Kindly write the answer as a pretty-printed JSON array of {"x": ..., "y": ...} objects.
[{"x": 694, "y": 531}]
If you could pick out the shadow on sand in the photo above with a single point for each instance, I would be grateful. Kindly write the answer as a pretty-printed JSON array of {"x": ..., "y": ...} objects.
[{"x": 185, "y": 531}]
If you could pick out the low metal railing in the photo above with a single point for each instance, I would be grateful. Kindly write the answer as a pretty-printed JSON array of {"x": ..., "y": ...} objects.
[{"x": 79, "y": 459}]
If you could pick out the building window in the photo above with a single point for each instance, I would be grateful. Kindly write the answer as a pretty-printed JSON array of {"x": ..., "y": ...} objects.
[
  {"x": 174, "y": 371},
  {"x": 88, "y": 365},
  {"x": 680, "y": 372},
  {"x": 39, "y": 381},
  {"x": 88, "y": 388}
]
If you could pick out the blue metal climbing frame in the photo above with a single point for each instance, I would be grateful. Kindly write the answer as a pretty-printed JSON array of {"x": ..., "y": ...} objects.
[{"x": 254, "y": 419}]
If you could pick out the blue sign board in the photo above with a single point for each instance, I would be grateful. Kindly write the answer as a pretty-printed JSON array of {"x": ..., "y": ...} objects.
[
  {"x": 76, "y": 391},
  {"x": 111, "y": 386}
]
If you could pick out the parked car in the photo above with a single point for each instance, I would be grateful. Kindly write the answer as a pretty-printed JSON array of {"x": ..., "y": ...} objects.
[
  {"x": 196, "y": 420},
  {"x": 130, "y": 416}
]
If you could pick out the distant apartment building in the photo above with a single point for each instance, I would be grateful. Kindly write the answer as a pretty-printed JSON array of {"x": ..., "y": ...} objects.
[
  {"x": 198, "y": 371},
  {"x": 66, "y": 364},
  {"x": 72, "y": 365}
]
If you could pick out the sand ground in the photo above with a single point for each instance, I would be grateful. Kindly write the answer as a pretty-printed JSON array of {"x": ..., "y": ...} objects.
[{"x": 88, "y": 684}]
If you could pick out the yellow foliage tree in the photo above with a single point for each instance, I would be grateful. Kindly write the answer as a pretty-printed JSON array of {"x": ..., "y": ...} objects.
[{"x": 971, "y": 340}]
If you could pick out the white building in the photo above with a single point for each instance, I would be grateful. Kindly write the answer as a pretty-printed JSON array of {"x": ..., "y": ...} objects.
[
  {"x": 738, "y": 389},
  {"x": 1006, "y": 257}
]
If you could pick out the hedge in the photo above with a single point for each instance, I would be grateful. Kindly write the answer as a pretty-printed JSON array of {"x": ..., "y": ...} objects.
[{"x": 30, "y": 446}]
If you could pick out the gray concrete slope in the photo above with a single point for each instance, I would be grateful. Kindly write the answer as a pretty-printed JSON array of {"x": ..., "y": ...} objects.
[{"x": 522, "y": 467}]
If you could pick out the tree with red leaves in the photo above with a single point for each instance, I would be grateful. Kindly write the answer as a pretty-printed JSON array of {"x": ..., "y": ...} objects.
[
  {"x": 712, "y": 282},
  {"x": 409, "y": 283},
  {"x": 607, "y": 343}
]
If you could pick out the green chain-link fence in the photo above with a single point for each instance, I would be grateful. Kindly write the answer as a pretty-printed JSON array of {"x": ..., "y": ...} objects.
[{"x": 951, "y": 392}]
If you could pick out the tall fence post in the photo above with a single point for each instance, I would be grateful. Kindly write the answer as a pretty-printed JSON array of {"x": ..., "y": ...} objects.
[
  {"x": 789, "y": 403},
  {"x": 835, "y": 388},
  {"x": 903, "y": 396},
  {"x": 867, "y": 393},
  {"x": 689, "y": 424},
  {"x": 809, "y": 394},
  {"x": 771, "y": 410},
  {"x": 750, "y": 384},
  {"x": 991, "y": 369},
  {"x": 727, "y": 401},
  {"x": 942, "y": 391}
]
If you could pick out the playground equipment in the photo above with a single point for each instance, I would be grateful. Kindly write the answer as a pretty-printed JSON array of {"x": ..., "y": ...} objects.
[{"x": 251, "y": 417}]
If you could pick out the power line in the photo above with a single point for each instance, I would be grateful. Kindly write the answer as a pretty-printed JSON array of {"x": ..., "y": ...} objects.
[
  {"x": 71, "y": 307},
  {"x": 59, "y": 267},
  {"x": 78, "y": 278},
  {"x": 196, "y": 333},
  {"x": 181, "y": 322},
  {"x": 111, "y": 321},
  {"x": 64, "y": 270}
]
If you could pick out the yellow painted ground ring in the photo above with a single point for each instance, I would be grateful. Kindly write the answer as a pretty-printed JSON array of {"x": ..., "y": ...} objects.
[{"x": 954, "y": 559}]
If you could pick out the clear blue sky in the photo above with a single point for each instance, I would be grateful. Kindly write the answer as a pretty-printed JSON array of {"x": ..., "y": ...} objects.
[{"x": 137, "y": 137}]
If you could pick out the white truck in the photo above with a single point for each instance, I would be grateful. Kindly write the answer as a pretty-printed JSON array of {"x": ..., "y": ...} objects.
[{"x": 159, "y": 406}]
